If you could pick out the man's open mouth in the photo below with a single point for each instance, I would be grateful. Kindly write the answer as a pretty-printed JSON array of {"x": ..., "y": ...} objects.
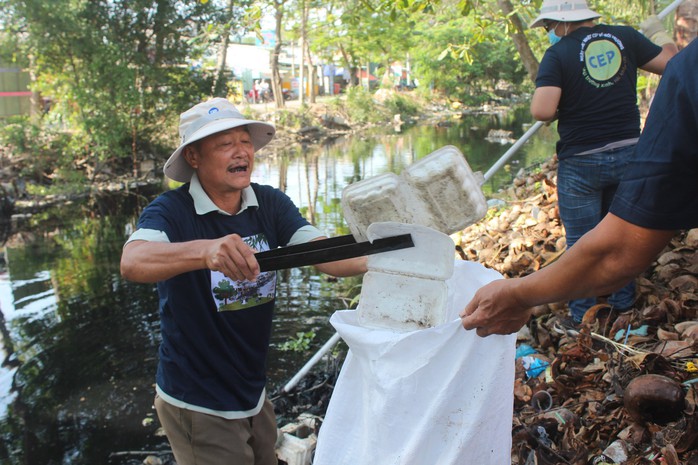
[{"x": 237, "y": 169}]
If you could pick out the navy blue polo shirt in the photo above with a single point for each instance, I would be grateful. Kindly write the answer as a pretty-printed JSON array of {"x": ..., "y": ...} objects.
[{"x": 216, "y": 331}]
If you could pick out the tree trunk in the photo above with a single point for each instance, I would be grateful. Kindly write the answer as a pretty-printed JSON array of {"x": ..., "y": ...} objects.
[
  {"x": 312, "y": 74},
  {"x": 218, "y": 89},
  {"x": 275, "y": 74},
  {"x": 527, "y": 57},
  {"x": 348, "y": 64},
  {"x": 686, "y": 25},
  {"x": 304, "y": 38},
  {"x": 35, "y": 103},
  {"x": 161, "y": 31}
]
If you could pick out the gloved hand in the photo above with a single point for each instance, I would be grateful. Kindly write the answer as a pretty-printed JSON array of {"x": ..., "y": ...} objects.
[{"x": 654, "y": 30}]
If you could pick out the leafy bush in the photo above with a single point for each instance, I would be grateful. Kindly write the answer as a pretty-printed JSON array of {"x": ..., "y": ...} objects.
[
  {"x": 33, "y": 148},
  {"x": 14, "y": 133},
  {"x": 361, "y": 107},
  {"x": 300, "y": 344},
  {"x": 294, "y": 119},
  {"x": 403, "y": 105}
]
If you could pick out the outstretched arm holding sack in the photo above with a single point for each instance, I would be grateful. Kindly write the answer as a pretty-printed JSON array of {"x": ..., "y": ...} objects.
[{"x": 602, "y": 261}]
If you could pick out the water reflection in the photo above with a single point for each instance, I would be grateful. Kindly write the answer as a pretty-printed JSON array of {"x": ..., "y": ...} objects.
[{"x": 79, "y": 343}]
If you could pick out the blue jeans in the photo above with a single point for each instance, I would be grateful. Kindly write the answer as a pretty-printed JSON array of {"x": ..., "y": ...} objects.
[{"x": 586, "y": 185}]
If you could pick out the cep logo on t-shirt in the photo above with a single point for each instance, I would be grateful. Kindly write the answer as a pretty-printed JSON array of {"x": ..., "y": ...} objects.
[
  {"x": 604, "y": 62},
  {"x": 236, "y": 295}
]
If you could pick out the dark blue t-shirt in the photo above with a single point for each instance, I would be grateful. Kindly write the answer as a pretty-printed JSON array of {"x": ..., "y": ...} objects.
[
  {"x": 596, "y": 68},
  {"x": 660, "y": 187},
  {"x": 215, "y": 331}
]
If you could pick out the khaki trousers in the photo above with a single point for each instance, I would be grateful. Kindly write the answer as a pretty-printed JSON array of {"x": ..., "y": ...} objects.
[{"x": 201, "y": 439}]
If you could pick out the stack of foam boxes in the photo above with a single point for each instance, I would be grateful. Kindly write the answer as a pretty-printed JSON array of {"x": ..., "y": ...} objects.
[
  {"x": 297, "y": 441},
  {"x": 406, "y": 290}
]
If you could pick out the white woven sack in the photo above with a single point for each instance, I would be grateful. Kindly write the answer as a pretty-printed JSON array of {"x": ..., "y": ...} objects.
[{"x": 440, "y": 395}]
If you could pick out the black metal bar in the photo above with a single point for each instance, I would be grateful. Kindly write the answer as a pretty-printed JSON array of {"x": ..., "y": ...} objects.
[
  {"x": 307, "y": 246},
  {"x": 315, "y": 252}
]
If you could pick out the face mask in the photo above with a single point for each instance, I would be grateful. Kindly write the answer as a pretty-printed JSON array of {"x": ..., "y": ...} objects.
[{"x": 552, "y": 37}]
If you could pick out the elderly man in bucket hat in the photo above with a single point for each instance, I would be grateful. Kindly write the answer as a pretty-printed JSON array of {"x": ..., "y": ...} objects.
[
  {"x": 193, "y": 242},
  {"x": 587, "y": 80}
]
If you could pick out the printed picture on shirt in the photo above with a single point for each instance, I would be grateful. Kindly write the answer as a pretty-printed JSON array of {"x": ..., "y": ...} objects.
[
  {"x": 604, "y": 62},
  {"x": 236, "y": 295}
]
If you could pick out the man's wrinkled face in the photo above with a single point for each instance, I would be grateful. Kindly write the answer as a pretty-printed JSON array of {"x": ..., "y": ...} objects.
[{"x": 223, "y": 161}]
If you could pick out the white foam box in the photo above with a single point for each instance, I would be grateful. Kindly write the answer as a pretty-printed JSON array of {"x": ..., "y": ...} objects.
[
  {"x": 405, "y": 290},
  {"x": 381, "y": 197},
  {"x": 439, "y": 191},
  {"x": 297, "y": 441},
  {"x": 296, "y": 451},
  {"x": 448, "y": 188}
]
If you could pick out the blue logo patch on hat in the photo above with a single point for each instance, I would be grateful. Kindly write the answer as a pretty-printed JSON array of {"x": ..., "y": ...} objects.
[{"x": 213, "y": 110}]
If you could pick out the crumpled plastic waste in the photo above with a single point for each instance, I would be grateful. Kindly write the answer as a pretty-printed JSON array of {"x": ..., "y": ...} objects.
[
  {"x": 641, "y": 331},
  {"x": 617, "y": 452},
  {"x": 533, "y": 366},
  {"x": 602, "y": 460},
  {"x": 543, "y": 437},
  {"x": 523, "y": 350}
]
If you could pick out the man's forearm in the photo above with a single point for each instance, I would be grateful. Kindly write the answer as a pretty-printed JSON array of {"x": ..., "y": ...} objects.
[
  {"x": 602, "y": 261},
  {"x": 343, "y": 268},
  {"x": 149, "y": 262}
]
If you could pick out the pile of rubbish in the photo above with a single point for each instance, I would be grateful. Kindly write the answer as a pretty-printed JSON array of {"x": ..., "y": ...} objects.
[{"x": 621, "y": 389}]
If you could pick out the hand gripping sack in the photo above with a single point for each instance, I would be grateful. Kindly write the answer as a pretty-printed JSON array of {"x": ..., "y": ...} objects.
[{"x": 435, "y": 396}]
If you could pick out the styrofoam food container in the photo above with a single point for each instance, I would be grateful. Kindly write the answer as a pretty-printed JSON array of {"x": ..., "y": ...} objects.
[
  {"x": 439, "y": 191},
  {"x": 445, "y": 183},
  {"x": 401, "y": 303},
  {"x": 405, "y": 290},
  {"x": 431, "y": 257},
  {"x": 381, "y": 197}
]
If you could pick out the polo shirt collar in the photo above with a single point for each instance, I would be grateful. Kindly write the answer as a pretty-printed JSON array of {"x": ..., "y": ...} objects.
[{"x": 203, "y": 203}]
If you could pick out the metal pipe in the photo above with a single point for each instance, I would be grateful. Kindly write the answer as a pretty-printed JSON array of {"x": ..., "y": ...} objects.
[
  {"x": 672, "y": 6},
  {"x": 512, "y": 150},
  {"x": 310, "y": 363}
]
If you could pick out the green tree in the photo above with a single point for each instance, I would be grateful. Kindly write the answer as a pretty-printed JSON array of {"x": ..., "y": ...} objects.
[
  {"x": 361, "y": 34},
  {"x": 495, "y": 20},
  {"x": 115, "y": 71},
  {"x": 464, "y": 57}
]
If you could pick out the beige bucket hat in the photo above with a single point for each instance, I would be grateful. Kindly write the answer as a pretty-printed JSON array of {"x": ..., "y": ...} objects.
[
  {"x": 206, "y": 118},
  {"x": 567, "y": 11}
]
